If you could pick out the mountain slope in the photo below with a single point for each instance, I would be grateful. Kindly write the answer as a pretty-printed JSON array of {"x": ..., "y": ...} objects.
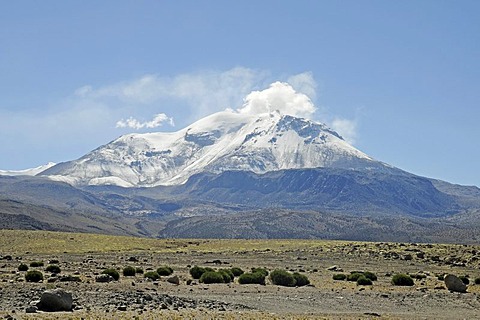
[{"x": 224, "y": 141}]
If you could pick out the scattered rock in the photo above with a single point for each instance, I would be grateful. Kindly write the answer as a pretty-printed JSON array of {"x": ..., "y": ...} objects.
[
  {"x": 174, "y": 280},
  {"x": 335, "y": 268},
  {"x": 55, "y": 300},
  {"x": 31, "y": 309},
  {"x": 455, "y": 284},
  {"x": 104, "y": 278},
  {"x": 122, "y": 308}
]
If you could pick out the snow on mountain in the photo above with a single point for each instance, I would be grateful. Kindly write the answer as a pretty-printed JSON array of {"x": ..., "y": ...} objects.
[
  {"x": 27, "y": 172},
  {"x": 264, "y": 135}
]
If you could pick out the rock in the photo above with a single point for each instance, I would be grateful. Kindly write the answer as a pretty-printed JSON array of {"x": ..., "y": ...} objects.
[
  {"x": 174, "y": 280},
  {"x": 335, "y": 268},
  {"x": 31, "y": 309},
  {"x": 104, "y": 278},
  {"x": 133, "y": 259},
  {"x": 122, "y": 308},
  {"x": 55, "y": 300},
  {"x": 455, "y": 284}
]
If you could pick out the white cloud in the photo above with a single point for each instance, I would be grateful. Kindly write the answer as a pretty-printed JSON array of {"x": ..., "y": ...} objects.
[
  {"x": 157, "y": 121},
  {"x": 346, "y": 128},
  {"x": 279, "y": 96},
  {"x": 304, "y": 83}
]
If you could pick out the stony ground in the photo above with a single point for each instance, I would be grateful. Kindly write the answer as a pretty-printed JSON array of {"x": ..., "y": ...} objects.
[{"x": 137, "y": 297}]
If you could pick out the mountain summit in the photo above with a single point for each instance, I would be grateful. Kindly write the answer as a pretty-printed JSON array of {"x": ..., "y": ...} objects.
[{"x": 261, "y": 137}]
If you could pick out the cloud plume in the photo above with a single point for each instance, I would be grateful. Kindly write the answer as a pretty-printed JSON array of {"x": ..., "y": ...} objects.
[
  {"x": 156, "y": 122},
  {"x": 279, "y": 96}
]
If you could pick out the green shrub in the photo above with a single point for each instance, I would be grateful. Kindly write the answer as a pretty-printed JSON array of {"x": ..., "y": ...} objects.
[
  {"x": 364, "y": 281},
  {"x": 354, "y": 276},
  {"x": 112, "y": 272},
  {"x": 252, "y": 278},
  {"x": 227, "y": 275},
  {"x": 477, "y": 280},
  {"x": 282, "y": 278},
  {"x": 339, "y": 276},
  {"x": 53, "y": 261},
  {"x": 402, "y": 280},
  {"x": 164, "y": 271},
  {"x": 53, "y": 268},
  {"x": 22, "y": 267},
  {"x": 33, "y": 276},
  {"x": 212, "y": 277},
  {"x": 196, "y": 272},
  {"x": 153, "y": 275},
  {"x": 300, "y": 279},
  {"x": 370, "y": 275},
  {"x": 129, "y": 271},
  {"x": 261, "y": 270},
  {"x": 237, "y": 272},
  {"x": 464, "y": 279},
  {"x": 35, "y": 264},
  {"x": 139, "y": 270}
]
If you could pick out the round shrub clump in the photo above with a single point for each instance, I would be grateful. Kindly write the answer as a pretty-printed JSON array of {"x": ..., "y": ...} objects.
[
  {"x": 33, "y": 276},
  {"x": 22, "y": 267},
  {"x": 282, "y": 278},
  {"x": 35, "y": 264},
  {"x": 354, "y": 276},
  {"x": 129, "y": 271},
  {"x": 164, "y": 271},
  {"x": 196, "y": 272},
  {"x": 139, "y": 270},
  {"x": 212, "y": 277},
  {"x": 261, "y": 270},
  {"x": 153, "y": 275},
  {"x": 477, "y": 280},
  {"x": 370, "y": 275},
  {"x": 402, "y": 280},
  {"x": 300, "y": 279},
  {"x": 252, "y": 278},
  {"x": 53, "y": 268},
  {"x": 227, "y": 275},
  {"x": 339, "y": 276},
  {"x": 364, "y": 281},
  {"x": 237, "y": 272},
  {"x": 112, "y": 272}
]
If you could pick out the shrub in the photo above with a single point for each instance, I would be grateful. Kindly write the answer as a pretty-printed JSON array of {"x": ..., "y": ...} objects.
[
  {"x": 370, "y": 275},
  {"x": 227, "y": 275},
  {"x": 364, "y": 281},
  {"x": 164, "y": 271},
  {"x": 261, "y": 270},
  {"x": 419, "y": 276},
  {"x": 464, "y": 279},
  {"x": 112, "y": 272},
  {"x": 339, "y": 276},
  {"x": 196, "y": 272},
  {"x": 53, "y": 261},
  {"x": 22, "y": 267},
  {"x": 354, "y": 276},
  {"x": 282, "y": 278},
  {"x": 139, "y": 270},
  {"x": 212, "y": 277},
  {"x": 153, "y": 275},
  {"x": 237, "y": 272},
  {"x": 33, "y": 276},
  {"x": 300, "y": 279},
  {"x": 35, "y": 264},
  {"x": 402, "y": 280},
  {"x": 53, "y": 268},
  {"x": 252, "y": 278},
  {"x": 477, "y": 280},
  {"x": 129, "y": 271}
]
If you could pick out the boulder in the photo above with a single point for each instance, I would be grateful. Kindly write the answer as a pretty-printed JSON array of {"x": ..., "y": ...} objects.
[
  {"x": 104, "y": 278},
  {"x": 55, "y": 300},
  {"x": 454, "y": 283},
  {"x": 174, "y": 280}
]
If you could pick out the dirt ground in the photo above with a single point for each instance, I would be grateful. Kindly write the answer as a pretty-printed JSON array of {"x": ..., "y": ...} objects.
[{"x": 325, "y": 298}]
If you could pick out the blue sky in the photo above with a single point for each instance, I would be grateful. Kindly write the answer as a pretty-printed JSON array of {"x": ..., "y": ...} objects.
[{"x": 400, "y": 78}]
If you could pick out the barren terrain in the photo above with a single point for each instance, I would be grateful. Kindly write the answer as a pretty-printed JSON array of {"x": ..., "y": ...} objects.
[{"x": 85, "y": 256}]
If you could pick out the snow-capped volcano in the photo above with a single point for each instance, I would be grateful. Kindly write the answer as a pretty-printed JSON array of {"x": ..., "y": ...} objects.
[{"x": 264, "y": 135}]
